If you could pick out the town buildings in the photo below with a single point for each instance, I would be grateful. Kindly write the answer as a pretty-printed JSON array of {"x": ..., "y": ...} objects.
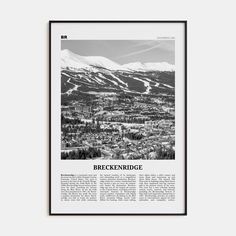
[{"x": 130, "y": 127}]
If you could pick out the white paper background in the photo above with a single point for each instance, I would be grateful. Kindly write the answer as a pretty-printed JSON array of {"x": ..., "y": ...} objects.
[{"x": 24, "y": 117}]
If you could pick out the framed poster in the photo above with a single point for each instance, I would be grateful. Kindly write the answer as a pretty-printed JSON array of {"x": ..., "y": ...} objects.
[{"x": 118, "y": 118}]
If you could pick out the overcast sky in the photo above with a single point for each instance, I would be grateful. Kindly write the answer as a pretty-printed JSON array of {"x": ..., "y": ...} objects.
[{"x": 124, "y": 51}]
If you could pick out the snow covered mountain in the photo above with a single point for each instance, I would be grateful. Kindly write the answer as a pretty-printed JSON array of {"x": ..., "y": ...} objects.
[
  {"x": 95, "y": 74},
  {"x": 72, "y": 60},
  {"x": 158, "y": 66},
  {"x": 76, "y": 62}
]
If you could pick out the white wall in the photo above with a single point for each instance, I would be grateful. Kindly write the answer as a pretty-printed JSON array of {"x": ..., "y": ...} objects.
[{"x": 24, "y": 114}]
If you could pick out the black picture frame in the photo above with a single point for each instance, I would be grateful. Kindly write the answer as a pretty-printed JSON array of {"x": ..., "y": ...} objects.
[{"x": 184, "y": 22}]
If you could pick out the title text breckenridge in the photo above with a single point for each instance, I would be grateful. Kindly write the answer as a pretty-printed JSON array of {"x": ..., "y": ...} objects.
[{"x": 117, "y": 167}]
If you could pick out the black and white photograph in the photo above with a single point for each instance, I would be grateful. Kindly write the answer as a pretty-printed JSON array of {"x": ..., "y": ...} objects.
[
  {"x": 118, "y": 99},
  {"x": 118, "y": 119}
]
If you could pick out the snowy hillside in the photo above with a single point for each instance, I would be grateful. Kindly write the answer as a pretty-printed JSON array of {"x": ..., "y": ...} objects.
[
  {"x": 72, "y": 60},
  {"x": 95, "y": 74},
  {"x": 158, "y": 66},
  {"x": 76, "y": 62}
]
